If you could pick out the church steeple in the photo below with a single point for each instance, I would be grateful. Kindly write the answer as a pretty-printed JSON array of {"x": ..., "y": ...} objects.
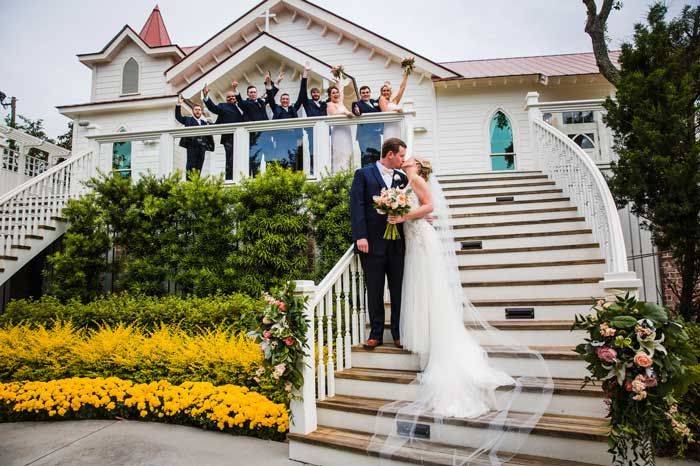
[{"x": 154, "y": 32}]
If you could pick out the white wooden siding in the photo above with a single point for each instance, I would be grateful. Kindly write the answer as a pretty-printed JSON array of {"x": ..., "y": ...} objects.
[{"x": 108, "y": 77}]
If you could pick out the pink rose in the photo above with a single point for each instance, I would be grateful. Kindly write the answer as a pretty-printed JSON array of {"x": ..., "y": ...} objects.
[
  {"x": 281, "y": 306},
  {"x": 643, "y": 360},
  {"x": 266, "y": 334},
  {"x": 289, "y": 341},
  {"x": 606, "y": 354}
]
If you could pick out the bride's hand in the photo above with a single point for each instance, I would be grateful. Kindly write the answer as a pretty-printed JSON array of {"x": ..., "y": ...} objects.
[
  {"x": 349, "y": 114},
  {"x": 396, "y": 219}
]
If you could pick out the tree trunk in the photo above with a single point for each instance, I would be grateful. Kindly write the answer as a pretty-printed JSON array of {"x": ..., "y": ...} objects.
[{"x": 596, "y": 27}]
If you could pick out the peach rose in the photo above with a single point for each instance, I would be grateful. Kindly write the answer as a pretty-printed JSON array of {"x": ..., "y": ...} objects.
[{"x": 643, "y": 360}]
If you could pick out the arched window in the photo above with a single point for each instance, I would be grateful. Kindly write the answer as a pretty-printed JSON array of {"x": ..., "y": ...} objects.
[
  {"x": 121, "y": 157},
  {"x": 130, "y": 77},
  {"x": 502, "y": 149}
]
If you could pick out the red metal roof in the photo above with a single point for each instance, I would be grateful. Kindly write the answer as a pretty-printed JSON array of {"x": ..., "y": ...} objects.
[
  {"x": 154, "y": 32},
  {"x": 550, "y": 65}
]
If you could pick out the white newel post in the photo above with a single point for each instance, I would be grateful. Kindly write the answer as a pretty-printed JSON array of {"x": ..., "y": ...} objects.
[
  {"x": 621, "y": 283},
  {"x": 532, "y": 99},
  {"x": 303, "y": 410},
  {"x": 166, "y": 155},
  {"x": 241, "y": 154},
  {"x": 322, "y": 149},
  {"x": 408, "y": 125}
]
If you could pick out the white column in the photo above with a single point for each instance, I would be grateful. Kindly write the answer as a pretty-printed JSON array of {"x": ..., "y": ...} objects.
[
  {"x": 322, "y": 149},
  {"x": 241, "y": 150},
  {"x": 303, "y": 410},
  {"x": 533, "y": 113},
  {"x": 166, "y": 155},
  {"x": 408, "y": 125}
]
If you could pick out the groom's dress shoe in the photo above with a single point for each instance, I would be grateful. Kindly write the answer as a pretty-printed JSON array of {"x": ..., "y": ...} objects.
[
  {"x": 371, "y": 344},
  {"x": 398, "y": 344}
]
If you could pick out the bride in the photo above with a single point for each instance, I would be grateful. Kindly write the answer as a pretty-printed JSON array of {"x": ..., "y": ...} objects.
[
  {"x": 458, "y": 380},
  {"x": 341, "y": 136}
]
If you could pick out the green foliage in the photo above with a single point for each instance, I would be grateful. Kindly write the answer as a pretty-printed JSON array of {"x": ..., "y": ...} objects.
[
  {"x": 646, "y": 363},
  {"x": 655, "y": 120},
  {"x": 329, "y": 205},
  {"x": 191, "y": 314},
  {"x": 272, "y": 231}
]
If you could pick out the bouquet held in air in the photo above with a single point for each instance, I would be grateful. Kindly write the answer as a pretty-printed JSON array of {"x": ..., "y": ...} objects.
[{"x": 392, "y": 201}]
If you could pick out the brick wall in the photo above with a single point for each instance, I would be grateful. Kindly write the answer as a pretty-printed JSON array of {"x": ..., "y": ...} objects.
[{"x": 670, "y": 278}]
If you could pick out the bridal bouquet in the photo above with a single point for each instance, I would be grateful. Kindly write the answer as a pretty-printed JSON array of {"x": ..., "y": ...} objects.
[
  {"x": 407, "y": 64},
  {"x": 392, "y": 201},
  {"x": 338, "y": 72}
]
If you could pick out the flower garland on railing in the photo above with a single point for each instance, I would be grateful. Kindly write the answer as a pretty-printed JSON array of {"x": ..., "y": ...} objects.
[
  {"x": 281, "y": 334},
  {"x": 643, "y": 360}
]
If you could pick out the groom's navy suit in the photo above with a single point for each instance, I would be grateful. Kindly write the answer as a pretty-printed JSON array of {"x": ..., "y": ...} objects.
[{"x": 385, "y": 258}]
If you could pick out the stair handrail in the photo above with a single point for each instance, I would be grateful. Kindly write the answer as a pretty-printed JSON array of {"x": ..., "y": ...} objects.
[
  {"x": 576, "y": 173},
  {"x": 38, "y": 202}
]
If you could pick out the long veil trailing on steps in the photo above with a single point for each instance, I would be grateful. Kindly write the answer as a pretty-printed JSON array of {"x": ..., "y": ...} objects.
[{"x": 460, "y": 409}]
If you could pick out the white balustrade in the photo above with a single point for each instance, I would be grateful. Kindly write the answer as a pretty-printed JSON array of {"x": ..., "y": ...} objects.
[
  {"x": 581, "y": 180},
  {"x": 337, "y": 308},
  {"x": 38, "y": 202}
]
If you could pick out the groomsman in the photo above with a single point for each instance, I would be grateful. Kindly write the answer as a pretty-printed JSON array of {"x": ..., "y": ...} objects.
[
  {"x": 369, "y": 135},
  {"x": 227, "y": 112},
  {"x": 196, "y": 146},
  {"x": 254, "y": 108},
  {"x": 313, "y": 107}
]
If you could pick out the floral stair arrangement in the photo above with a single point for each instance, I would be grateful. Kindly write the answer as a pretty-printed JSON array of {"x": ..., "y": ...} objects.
[{"x": 645, "y": 363}]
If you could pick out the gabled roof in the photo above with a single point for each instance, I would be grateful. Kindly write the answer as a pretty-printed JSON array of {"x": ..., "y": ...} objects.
[
  {"x": 263, "y": 41},
  {"x": 548, "y": 65},
  {"x": 319, "y": 15},
  {"x": 154, "y": 32},
  {"x": 114, "y": 45}
]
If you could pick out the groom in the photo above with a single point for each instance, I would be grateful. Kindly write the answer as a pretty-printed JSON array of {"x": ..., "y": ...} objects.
[{"x": 380, "y": 258}]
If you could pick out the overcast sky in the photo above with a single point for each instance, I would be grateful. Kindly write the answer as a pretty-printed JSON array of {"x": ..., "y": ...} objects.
[{"x": 40, "y": 38}]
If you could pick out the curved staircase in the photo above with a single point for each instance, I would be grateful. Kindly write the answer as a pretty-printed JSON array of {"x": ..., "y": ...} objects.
[{"x": 525, "y": 246}]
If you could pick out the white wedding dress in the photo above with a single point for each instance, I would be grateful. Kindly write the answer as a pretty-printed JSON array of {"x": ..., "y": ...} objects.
[
  {"x": 392, "y": 129},
  {"x": 457, "y": 380}
]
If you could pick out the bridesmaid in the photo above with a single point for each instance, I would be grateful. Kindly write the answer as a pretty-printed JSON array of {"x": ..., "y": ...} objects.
[
  {"x": 389, "y": 102},
  {"x": 341, "y": 136}
]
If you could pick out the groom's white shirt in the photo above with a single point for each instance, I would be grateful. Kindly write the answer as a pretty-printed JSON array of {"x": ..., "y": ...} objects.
[{"x": 387, "y": 174}]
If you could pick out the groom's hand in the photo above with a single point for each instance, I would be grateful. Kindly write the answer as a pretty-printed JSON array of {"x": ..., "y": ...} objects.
[{"x": 363, "y": 245}]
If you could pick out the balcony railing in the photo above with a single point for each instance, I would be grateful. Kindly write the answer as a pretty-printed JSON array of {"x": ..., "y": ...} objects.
[{"x": 315, "y": 145}]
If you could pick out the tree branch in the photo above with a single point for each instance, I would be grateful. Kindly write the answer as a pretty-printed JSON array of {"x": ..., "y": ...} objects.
[{"x": 595, "y": 28}]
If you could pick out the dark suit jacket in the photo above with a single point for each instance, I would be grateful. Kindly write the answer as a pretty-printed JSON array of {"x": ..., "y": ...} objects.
[
  {"x": 254, "y": 110},
  {"x": 366, "y": 222},
  {"x": 206, "y": 141},
  {"x": 279, "y": 112},
  {"x": 226, "y": 113},
  {"x": 311, "y": 107},
  {"x": 371, "y": 107}
]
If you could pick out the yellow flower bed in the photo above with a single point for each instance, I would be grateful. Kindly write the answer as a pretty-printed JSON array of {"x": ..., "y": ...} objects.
[
  {"x": 218, "y": 356},
  {"x": 226, "y": 407}
]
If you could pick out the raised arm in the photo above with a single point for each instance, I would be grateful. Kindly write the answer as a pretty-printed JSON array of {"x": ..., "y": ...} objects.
[
  {"x": 213, "y": 108},
  {"x": 178, "y": 110},
  {"x": 402, "y": 88}
]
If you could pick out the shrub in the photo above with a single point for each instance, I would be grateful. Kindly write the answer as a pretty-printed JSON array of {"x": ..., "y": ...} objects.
[
  {"x": 189, "y": 313},
  {"x": 272, "y": 230},
  {"x": 218, "y": 356},
  {"x": 329, "y": 205},
  {"x": 227, "y": 407}
]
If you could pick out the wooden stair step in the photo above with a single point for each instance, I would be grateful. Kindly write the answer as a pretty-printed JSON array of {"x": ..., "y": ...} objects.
[
  {"x": 504, "y": 193},
  {"x": 559, "y": 425},
  {"x": 46, "y": 227},
  {"x": 492, "y": 178},
  {"x": 402, "y": 377},
  {"x": 519, "y": 223},
  {"x": 469, "y": 252},
  {"x": 515, "y": 212},
  {"x": 493, "y": 186},
  {"x": 535, "y": 234},
  {"x": 525, "y": 201},
  {"x": 8, "y": 258},
  {"x": 472, "y": 175},
  {"x": 547, "y": 352},
  {"x": 533, "y": 302},
  {"x": 532, "y": 264},
  {"x": 514, "y": 324},
  {"x": 426, "y": 454},
  {"x": 556, "y": 281},
  {"x": 23, "y": 247}
]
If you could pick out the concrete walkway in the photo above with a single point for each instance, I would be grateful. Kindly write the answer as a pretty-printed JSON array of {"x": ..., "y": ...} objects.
[{"x": 116, "y": 443}]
